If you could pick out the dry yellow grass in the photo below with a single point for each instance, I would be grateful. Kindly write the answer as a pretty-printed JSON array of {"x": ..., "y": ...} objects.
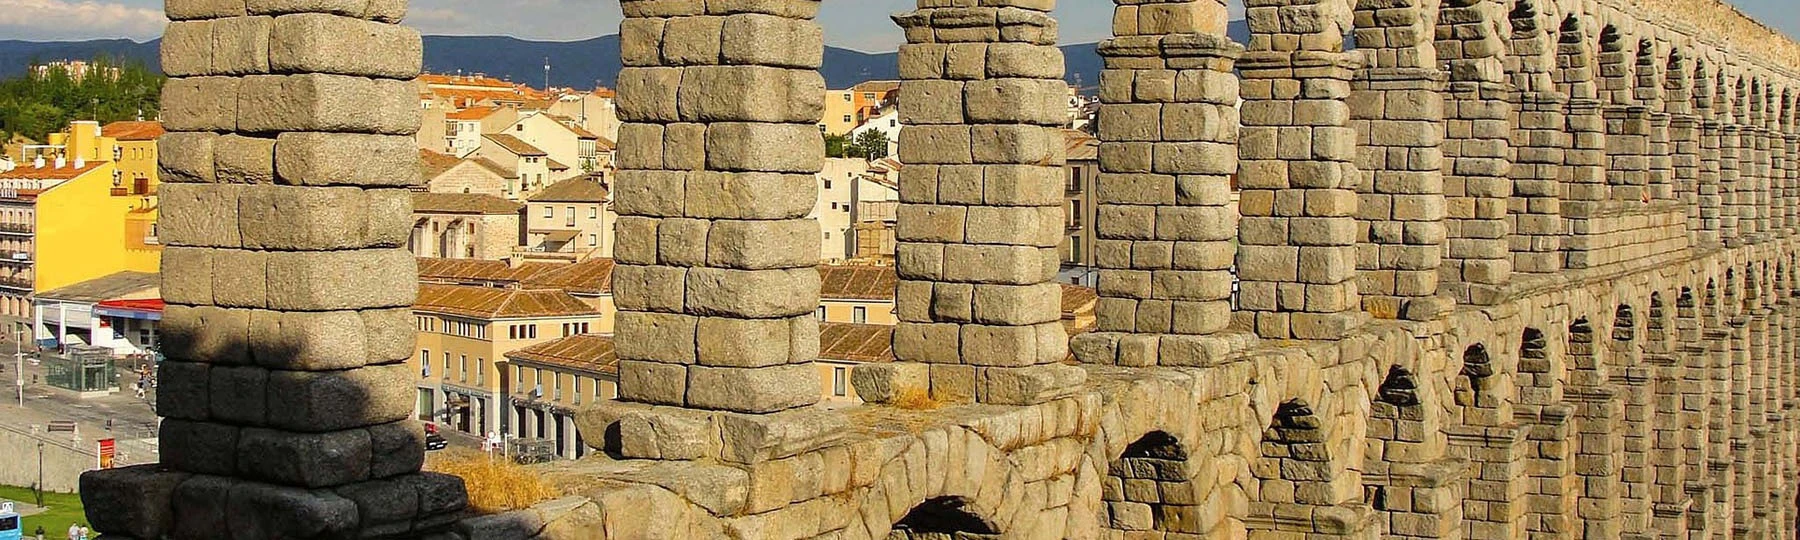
[
  {"x": 916, "y": 399},
  {"x": 494, "y": 484}
]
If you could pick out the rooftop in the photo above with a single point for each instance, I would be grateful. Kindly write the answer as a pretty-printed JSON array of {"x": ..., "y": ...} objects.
[
  {"x": 514, "y": 144},
  {"x": 463, "y": 203},
  {"x": 488, "y": 303},
  {"x": 857, "y": 282},
  {"x": 856, "y": 342},
  {"x": 472, "y": 113},
  {"x": 592, "y": 353},
  {"x": 581, "y": 189},
  {"x": 133, "y": 130},
  {"x": 107, "y": 288},
  {"x": 30, "y": 171},
  {"x": 592, "y": 276},
  {"x": 432, "y": 163}
]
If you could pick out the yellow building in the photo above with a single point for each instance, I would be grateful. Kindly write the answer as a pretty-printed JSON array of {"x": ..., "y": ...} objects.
[
  {"x": 77, "y": 209},
  {"x": 847, "y": 109},
  {"x": 546, "y": 383},
  {"x": 464, "y": 333}
]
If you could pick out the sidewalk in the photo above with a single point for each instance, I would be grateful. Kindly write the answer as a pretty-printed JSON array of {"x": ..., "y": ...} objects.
[{"x": 133, "y": 422}]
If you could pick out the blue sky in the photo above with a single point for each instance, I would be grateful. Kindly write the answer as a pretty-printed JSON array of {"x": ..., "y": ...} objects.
[{"x": 856, "y": 24}]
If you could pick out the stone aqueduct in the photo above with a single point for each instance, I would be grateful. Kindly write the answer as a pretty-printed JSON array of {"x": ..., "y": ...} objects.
[{"x": 1507, "y": 269}]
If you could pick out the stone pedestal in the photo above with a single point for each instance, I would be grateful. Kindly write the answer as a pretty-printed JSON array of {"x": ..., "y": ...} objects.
[{"x": 981, "y": 196}]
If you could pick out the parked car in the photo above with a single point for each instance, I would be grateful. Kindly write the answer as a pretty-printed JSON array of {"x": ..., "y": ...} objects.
[{"x": 433, "y": 441}]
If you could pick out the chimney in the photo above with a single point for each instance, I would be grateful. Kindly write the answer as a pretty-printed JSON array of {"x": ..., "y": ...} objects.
[
  {"x": 79, "y": 162},
  {"x": 39, "y": 163},
  {"x": 61, "y": 162}
]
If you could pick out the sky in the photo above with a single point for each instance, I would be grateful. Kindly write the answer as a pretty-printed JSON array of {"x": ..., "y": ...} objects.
[{"x": 853, "y": 24}]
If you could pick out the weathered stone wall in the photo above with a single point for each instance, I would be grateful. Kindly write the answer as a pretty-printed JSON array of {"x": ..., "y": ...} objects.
[{"x": 1584, "y": 328}]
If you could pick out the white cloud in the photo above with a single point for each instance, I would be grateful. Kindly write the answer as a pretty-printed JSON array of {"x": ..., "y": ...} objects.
[{"x": 80, "y": 19}]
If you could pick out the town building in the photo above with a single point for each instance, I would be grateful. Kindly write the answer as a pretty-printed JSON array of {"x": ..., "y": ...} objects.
[
  {"x": 463, "y": 129},
  {"x": 527, "y": 168},
  {"x": 836, "y": 207},
  {"x": 545, "y": 384},
  {"x": 857, "y": 293},
  {"x": 464, "y": 226},
  {"x": 68, "y": 215},
  {"x": 570, "y": 220},
  {"x": 589, "y": 281},
  {"x": 463, "y": 333},
  {"x": 842, "y": 347},
  {"x": 595, "y": 111},
  {"x": 846, "y": 109},
  {"x": 1081, "y": 176},
  {"x": 118, "y": 312},
  {"x": 876, "y": 215},
  {"x": 560, "y": 138},
  {"x": 887, "y": 123},
  {"x": 447, "y": 174}
]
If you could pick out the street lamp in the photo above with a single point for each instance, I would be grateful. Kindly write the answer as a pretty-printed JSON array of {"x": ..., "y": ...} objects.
[{"x": 19, "y": 357}]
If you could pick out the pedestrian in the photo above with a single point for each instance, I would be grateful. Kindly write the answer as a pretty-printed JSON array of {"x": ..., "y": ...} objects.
[
  {"x": 74, "y": 531},
  {"x": 84, "y": 532},
  {"x": 40, "y": 532}
]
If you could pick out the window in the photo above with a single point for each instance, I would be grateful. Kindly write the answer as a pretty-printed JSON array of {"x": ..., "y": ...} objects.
[
  {"x": 462, "y": 368},
  {"x": 424, "y": 363},
  {"x": 827, "y": 235},
  {"x": 549, "y": 212},
  {"x": 846, "y": 97},
  {"x": 556, "y": 384},
  {"x": 446, "y": 372},
  {"x": 828, "y": 184},
  {"x": 593, "y": 212},
  {"x": 577, "y": 394},
  {"x": 593, "y": 240},
  {"x": 480, "y": 371},
  {"x": 868, "y": 95},
  {"x": 837, "y": 382},
  {"x": 118, "y": 153},
  {"x": 821, "y": 313},
  {"x": 859, "y": 315},
  {"x": 847, "y": 118}
]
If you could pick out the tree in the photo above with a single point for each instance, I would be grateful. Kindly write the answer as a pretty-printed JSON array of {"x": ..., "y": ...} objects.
[
  {"x": 870, "y": 144},
  {"x": 835, "y": 145},
  {"x": 36, "y": 105}
]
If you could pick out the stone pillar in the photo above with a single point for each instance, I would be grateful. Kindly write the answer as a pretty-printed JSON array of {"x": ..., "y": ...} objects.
[
  {"x": 1731, "y": 192},
  {"x": 1477, "y": 152},
  {"x": 1695, "y": 412},
  {"x": 1627, "y": 152},
  {"x": 1631, "y": 380},
  {"x": 1739, "y": 372},
  {"x": 1718, "y": 334},
  {"x": 1753, "y": 187},
  {"x": 1398, "y": 116},
  {"x": 1712, "y": 193},
  {"x": 1598, "y": 427},
  {"x": 1397, "y": 110},
  {"x": 1667, "y": 445},
  {"x": 1584, "y": 187},
  {"x": 1790, "y": 135},
  {"x": 1167, "y": 130},
  {"x": 1684, "y": 157},
  {"x": 715, "y": 283},
  {"x": 1549, "y": 460},
  {"x": 1296, "y": 255},
  {"x": 286, "y": 395},
  {"x": 981, "y": 203},
  {"x": 1535, "y": 208}
]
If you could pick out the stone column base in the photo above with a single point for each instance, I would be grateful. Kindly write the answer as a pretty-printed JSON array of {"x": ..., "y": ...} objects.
[
  {"x": 1143, "y": 350},
  {"x": 640, "y": 431},
  {"x": 153, "y": 501}
]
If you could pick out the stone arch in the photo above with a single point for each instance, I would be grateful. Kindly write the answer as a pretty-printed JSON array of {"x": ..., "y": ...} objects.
[
  {"x": 1477, "y": 389},
  {"x": 1575, "y": 60},
  {"x": 1294, "y": 492},
  {"x": 1624, "y": 324},
  {"x": 1150, "y": 488},
  {"x": 1532, "y": 48},
  {"x": 1542, "y": 380},
  {"x": 943, "y": 518},
  {"x": 1648, "y": 87},
  {"x": 1616, "y": 61}
]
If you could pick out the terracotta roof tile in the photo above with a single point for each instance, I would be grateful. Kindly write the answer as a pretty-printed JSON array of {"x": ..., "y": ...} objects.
[
  {"x": 857, "y": 282},
  {"x": 1080, "y": 146},
  {"x": 472, "y": 113},
  {"x": 432, "y": 163},
  {"x": 514, "y": 144},
  {"x": 856, "y": 342},
  {"x": 579, "y": 189},
  {"x": 592, "y": 353},
  {"x": 592, "y": 276},
  {"x": 26, "y": 171},
  {"x": 490, "y": 303},
  {"x": 1076, "y": 298},
  {"x": 463, "y": 203},
  {"x": 133, "y": 130}
]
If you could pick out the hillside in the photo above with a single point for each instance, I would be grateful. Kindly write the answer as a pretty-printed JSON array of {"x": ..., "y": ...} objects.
[{"x": 578, "y": 64}]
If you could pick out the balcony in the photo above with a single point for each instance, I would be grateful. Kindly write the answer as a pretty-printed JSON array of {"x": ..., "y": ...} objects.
[
  {"x": 15, "y": 228},
  {"x": 15, "y": 283},
  {"x": 15, "y": 257}
]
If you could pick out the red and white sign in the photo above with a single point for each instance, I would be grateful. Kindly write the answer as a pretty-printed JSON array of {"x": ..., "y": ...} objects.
[{"x": 109, "y": 451}]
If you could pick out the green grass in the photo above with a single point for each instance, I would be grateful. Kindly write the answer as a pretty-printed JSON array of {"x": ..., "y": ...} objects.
[{"x": 63, "y": 509}]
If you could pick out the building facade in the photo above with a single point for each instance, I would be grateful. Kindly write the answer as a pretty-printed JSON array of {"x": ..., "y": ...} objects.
[
  {"x": 571, "y": 219},
  {"x": 464, "y": 226}
]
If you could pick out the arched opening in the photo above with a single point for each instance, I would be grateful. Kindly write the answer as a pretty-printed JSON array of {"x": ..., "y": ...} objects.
[
  {"x": 1472, "y": 390},
  {"x": 1150, "y": 488},
  {"x": 943, "y": 518},
  {"x": 1294, "y": 473},
  {"x": 1624, "y": 324}
]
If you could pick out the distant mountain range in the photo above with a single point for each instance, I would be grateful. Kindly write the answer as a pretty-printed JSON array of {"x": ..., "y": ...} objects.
[{"x": 576, "y": 64}]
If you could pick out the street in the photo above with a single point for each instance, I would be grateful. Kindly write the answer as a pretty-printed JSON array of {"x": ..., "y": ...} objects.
[{"x": 132, "y": 421}]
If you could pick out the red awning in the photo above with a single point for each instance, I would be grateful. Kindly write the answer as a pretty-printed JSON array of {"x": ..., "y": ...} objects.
[{"x": 154, "y": 304}]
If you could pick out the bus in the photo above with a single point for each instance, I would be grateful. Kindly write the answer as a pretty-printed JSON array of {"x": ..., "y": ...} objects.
[{"x": 11, "y": 527}]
